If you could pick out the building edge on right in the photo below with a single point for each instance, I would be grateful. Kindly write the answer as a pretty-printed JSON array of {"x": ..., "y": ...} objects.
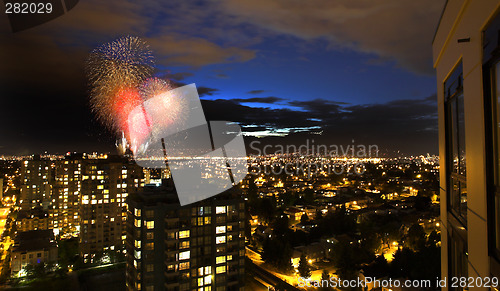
[{"x": 466, "y": 54}]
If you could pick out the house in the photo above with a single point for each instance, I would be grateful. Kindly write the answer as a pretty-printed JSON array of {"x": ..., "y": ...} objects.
[{"x": 33, "y": 247}]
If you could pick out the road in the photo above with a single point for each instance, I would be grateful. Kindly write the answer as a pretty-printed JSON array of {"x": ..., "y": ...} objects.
[
  {"x": 264, "y": 279},
  {"x": 264, "y": 275},
  {"x": 4, "y": 212},
  {"x": 290, "y": 279}
]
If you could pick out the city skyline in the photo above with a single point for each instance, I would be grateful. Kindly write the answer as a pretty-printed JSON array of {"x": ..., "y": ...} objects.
[{"x": 250, "y": 145}]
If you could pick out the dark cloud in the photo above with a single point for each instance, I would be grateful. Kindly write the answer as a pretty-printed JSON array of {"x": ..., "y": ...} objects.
[
  {"x": 406, "y": 125},
  {"x": 178, "y": 76},
  {"x": 319, "y": 107},
  {"x": 222, "y": 76},
  {"x": 256, "y": 92},
  {"x": 205, "y": 91},
  {"x": 399, "y": 30},
  {"x": 267, "y": 100},
  {"x": 222, "y": 109},
  {"x": 57, "y": 49}
]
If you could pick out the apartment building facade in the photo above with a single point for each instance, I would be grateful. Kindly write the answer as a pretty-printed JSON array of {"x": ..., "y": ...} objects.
[
  {"x": 200, "y": 246},
  {"x": 466, "y": 52}
]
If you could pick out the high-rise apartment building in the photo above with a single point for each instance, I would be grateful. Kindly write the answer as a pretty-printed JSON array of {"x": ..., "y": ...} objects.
[
  {"x": 83, "y": 193},
  {"x": 66, "y": 192},
  {"x": 466, "y": 50},
  {"x": 200, "y": 246},
  {"x": 105, "y": 185},
  {"x": 36, "y": 186}
]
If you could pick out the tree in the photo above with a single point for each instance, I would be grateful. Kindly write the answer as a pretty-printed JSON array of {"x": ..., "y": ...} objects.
[
  {"x": 277, "y": 253},
  {"x": 348, "y": 256},
  {"x": 280, "y": 225},
  {"x": 304, "y": 267},
  {"x": 304, "y": 218},
  {"x": 68, "y": 252},
  {"x": 378, "y": 268},
  {"x": 36, "y": 270},
  {"x": 248, "y": 229},
  {"x": 416, "y": 237},
  {"x": 252, "y": 192},
  {"x": 318, "y": 215},
  {"x": 325, "y": 281},
  {"x": 402, "y": 262},
  {"x": 422, "y": 202},
  {"x": 416, "y": 265},
  {"x": 433, "y": 239},
  {"x": 338, "y": 222},
  {"x": 267, "y": 208},
  {"x": 309, "y": 196}
]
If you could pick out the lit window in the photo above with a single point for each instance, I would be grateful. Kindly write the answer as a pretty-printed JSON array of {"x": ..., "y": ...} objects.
[
  {"x": 220, "y": 260},
  {"x": 220, "y": 229},
  {"x": 220, "y": 209},
  {"x": 184, "y": 266},
  {"x": 208, "y": 279},
  {"x": 220, "y": 239},
  {"x": 150, "y": 224},
  {"x": 184, "y": 255},
  {"x": 150, "y": 246},
  {"x": 456, "y": 153},
  {"x": 184, "y": 234},
  {"x": 220, "y": 269},
  {"x": 184, "y": 244}
]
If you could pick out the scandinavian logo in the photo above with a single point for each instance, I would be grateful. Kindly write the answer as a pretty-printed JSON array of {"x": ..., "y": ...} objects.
[{"x": 204, "y": 158}]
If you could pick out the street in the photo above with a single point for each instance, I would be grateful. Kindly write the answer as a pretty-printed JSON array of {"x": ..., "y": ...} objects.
[{"x": 4, "y": 212}]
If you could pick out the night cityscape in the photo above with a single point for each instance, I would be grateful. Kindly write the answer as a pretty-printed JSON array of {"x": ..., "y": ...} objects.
[{"x": 250, "y": 145}]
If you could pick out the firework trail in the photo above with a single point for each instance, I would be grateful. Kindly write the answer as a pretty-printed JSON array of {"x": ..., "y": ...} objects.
[{"x": 115, "y": 71}]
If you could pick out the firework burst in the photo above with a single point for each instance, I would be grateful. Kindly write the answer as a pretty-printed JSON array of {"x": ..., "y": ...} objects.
[
  {"x": 165, "y": 109},
  {"x": 152, "y": 87},
  {"x": 125, "y": 97},
  {"x": 115, "y": 71}
]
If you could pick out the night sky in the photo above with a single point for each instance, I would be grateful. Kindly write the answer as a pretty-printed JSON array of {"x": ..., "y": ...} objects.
[{"x": 286, "y": 70}]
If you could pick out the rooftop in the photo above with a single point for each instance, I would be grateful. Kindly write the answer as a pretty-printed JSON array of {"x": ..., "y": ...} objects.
[{"x": 34, "y": 240}]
